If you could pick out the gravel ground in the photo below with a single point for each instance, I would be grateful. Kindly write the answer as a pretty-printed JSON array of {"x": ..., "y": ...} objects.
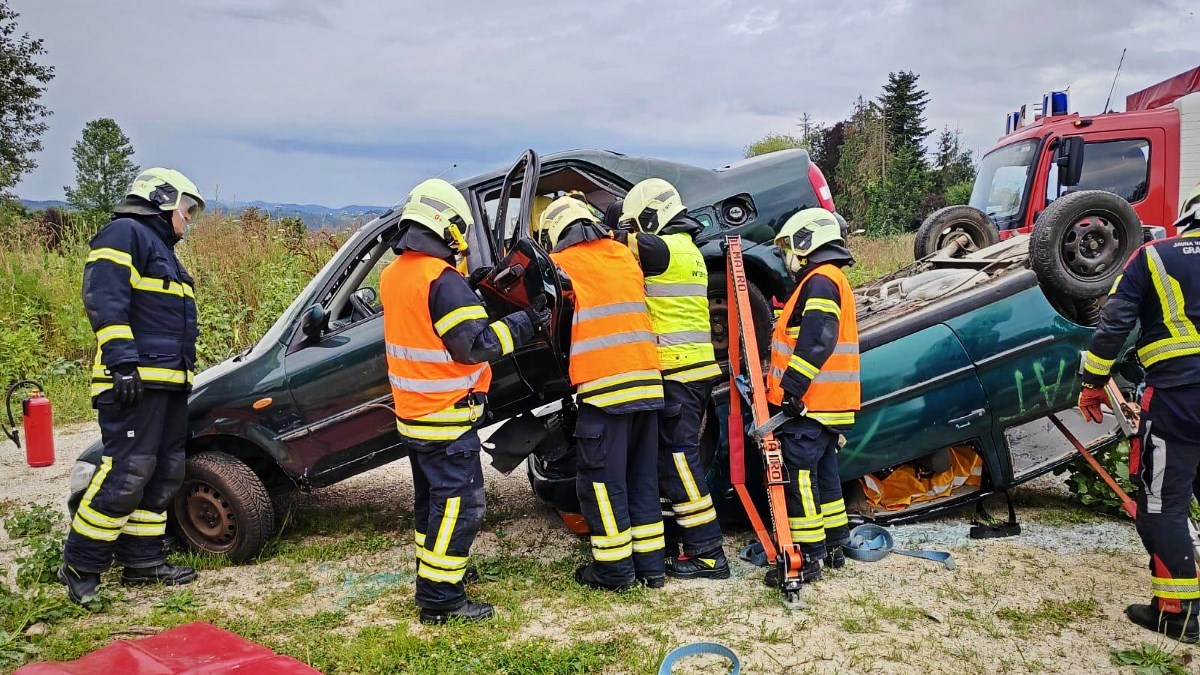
[{"x": 934, "y": 620}]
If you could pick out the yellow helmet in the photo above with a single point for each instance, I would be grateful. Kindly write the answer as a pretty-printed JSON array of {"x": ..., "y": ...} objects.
[
  {"x": 651, "y": 204},
  {"x": 439, "y": 206},
  {"x": 562, "y": 212},
  {"x": 1189, "y": 212},
  {"x": 805, "y": 232},
  {"x": 168, "y": 190}
]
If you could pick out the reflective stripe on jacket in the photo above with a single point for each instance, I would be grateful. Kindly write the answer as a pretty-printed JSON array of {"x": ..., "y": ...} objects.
[
  {"x": 677, "y": 300},
  {"x": 1160, "y": 290},
  {"x": 426, "y": 381},
  {"x": 614, "y": 355},
  {"x": 835, "y": 392},
  {"x": 141, "y": 305}
]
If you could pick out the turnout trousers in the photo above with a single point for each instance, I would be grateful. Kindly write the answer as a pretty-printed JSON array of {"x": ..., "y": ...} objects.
[
  {"x": 123, "y": 513},
  {"x": 816, "y": 511},
  {"x": 448, "y": 512},
  {"x": 681, "y": 479},
  {"x": 1163, "y": 465},
  {"x": 617, "y": 484}
]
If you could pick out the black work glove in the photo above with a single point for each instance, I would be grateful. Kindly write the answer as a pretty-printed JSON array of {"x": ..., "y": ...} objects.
[
  {"x": 538, "y": 313},
  {"x": 793, "y": 407},
  {"x": 477, "y": 276},
  {"x": 127, "y": 384}
]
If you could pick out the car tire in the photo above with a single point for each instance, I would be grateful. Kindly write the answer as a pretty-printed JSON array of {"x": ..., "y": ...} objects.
[
  {"x": 941, "y": 225},
  {"x": 222, "y": 508},
  {"x": 718, "y": 307},
  {"x": 1081, "y": 241}
]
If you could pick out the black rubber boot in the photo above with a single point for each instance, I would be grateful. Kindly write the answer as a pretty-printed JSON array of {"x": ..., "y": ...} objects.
[
  {"x": 468, "y": 611},
  {"x": 809, "y": 573},
  {"x": 835, "y": 559},
  {"x": 1184, "y": 627},
  {"x": 82, "y": 587},
  {"x": 711, "y": 565},
  {"x": 652, "y": 582},
  {"x": 585, "y": 577},
  {"x": 165, "y": 574}
]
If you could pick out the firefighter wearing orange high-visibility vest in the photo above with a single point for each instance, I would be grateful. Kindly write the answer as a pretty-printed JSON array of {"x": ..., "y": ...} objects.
[
  {"x": 1160, "y": 291},
  {"x": 615, "y": 369},
  {"x": 438, "y": 341},
  {"x": 814, "y": 378}
]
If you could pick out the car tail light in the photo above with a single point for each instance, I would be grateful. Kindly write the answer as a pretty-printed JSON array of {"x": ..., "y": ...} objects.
[{"x": 821, "y": 187}]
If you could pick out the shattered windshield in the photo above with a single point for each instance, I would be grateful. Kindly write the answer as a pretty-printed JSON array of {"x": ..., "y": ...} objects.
[{"x": 1000, "y": 185}]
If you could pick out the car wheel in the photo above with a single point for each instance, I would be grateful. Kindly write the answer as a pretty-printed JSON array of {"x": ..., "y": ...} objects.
[
  {"x": 968, "y": 225},
  {"x": 1081, "y": 241},
  {"x": 223, "y": 507},
  {"x": 718, "y": 311}
]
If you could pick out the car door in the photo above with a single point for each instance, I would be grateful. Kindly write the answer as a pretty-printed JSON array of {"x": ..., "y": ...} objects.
[
  {"x": 920, "y": 393},
  {"x": 339, "y": 378},
  {"x": 537, "y": 372}
]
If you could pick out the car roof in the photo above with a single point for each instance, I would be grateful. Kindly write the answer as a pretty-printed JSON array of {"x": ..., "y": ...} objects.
[{"x": 607, "y": 159}]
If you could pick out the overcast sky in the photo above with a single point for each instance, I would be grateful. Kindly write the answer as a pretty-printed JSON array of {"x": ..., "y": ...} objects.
[{"x": 321, "y": 101}]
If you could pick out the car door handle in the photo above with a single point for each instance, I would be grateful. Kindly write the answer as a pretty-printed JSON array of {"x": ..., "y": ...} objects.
[
  {"x": 508, "y": 277},
  {"x": 965, "y": 421}
]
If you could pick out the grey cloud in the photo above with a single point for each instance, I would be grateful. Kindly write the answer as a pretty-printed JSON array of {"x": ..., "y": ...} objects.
[{"x": 286, "y": 94}]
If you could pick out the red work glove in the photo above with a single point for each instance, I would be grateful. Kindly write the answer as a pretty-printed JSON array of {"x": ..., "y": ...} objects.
[{"x": 1090, "y": 400}]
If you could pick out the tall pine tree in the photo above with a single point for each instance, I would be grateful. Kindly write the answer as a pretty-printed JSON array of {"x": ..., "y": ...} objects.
[{"x": 903, "y": 106}]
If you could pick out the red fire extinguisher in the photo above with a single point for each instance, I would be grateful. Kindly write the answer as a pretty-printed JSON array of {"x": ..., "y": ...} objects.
[{"x": 38, "y": 421}]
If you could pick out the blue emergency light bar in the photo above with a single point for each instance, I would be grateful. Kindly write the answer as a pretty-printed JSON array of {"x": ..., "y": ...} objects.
[{"x": 1054, "y": 103}]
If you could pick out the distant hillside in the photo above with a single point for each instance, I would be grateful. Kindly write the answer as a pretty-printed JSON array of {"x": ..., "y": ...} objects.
[{"x": 315, "y": 216}]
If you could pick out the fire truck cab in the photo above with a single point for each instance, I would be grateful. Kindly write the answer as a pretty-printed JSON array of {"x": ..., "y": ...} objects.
[{"x": 1148, "y": 155}]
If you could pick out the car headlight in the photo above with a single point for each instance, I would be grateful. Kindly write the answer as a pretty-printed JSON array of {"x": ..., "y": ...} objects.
[{"x": 81, "y": 475}]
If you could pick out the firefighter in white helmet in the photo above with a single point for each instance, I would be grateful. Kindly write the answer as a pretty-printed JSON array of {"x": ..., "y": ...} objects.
[
  {"x": 438, "y": 340},
  {"x": 141, "y": 305},
  {"x": 659, "y": 232},
  {"x": 814, "y": 378}
]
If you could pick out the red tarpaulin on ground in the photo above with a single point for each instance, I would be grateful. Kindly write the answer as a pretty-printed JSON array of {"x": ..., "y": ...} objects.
[
  {"x": 192, "y": 649},
  {"x": 1164, "y": 92}
]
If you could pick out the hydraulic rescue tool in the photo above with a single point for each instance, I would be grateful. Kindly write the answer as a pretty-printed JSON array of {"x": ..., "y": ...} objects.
[{"x": 777, "y": 542}]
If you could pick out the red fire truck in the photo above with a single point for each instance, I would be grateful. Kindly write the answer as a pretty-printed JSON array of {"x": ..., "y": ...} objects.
[{"x": 1148, "y": 155}]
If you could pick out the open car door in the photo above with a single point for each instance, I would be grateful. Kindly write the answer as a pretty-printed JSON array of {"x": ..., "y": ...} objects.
[{"x": 535, "y": 373}]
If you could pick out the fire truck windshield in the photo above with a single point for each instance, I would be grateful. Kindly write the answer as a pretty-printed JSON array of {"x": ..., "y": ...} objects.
[{"x": 1001, "y": 182}]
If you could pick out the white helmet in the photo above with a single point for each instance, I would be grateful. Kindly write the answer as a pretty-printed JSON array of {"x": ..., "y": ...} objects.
[
  {"x": 168, "y": 190},
  {"x": 440, "y": 207},
  {"x": 561, "y": 213},
  {"x": 805, "y": 232},
  {"x": 651, "y": 204}
]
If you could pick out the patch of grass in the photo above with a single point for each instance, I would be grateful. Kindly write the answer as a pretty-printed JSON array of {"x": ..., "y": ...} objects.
[
  {"x": 1050, "y": 615},
  {"x": 198, "y": 560},
  {"x": 19, "y": 611},
  {"x": 878, "y": 256},
  {"x": 869, "y": 610},
  {"x": 35, "y": 519},
  {"x": 1149, "y": 659},
  {"x": 40, "y": 562}
]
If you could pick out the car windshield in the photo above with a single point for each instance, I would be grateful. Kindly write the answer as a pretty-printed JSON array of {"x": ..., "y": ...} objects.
[{"x": 1000, "y": 185}]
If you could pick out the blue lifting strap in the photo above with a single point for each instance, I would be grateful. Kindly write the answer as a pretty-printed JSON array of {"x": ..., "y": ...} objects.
[{"x": 695, "y": 649}]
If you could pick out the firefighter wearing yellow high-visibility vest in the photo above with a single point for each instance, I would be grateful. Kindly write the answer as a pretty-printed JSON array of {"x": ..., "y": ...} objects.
[
  {"x": 814, "y": 378},
  {"x": 613, "y": 364},
  {"x": 1160, "y": 289},
  {"x": 438, "y": 340},
  {"x": 676, "y": 281}
]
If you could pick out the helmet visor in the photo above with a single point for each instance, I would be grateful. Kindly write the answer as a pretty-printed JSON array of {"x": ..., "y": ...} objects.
[{"x": 189, "y": 207}]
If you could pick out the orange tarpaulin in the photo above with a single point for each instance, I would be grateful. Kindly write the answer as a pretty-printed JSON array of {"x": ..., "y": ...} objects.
[{"x": 908, "y": 484}]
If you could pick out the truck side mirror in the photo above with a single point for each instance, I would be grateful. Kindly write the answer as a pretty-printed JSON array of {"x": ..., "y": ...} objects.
[
  {"x": 314, "y": 322},
  {"x": 1069, "y": 157}
]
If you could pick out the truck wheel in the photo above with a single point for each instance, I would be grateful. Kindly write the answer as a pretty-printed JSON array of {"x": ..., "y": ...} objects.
[
  {"x": 944, "y": 225},
  {"x": 718, "y": 310},
  {"x": 1081, "y": 241},
  {"x": 223, "y": 507}
]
